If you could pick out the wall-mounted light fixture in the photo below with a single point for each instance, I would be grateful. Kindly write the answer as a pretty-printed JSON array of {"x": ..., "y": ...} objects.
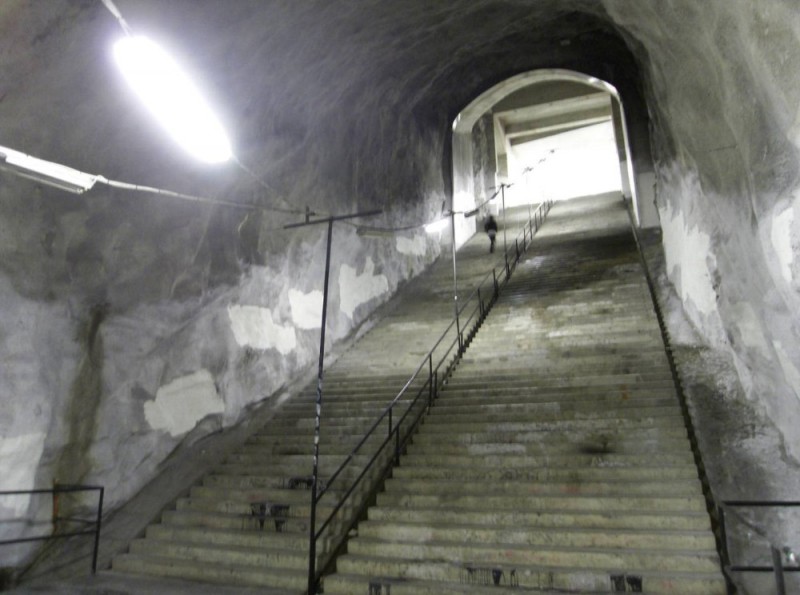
[{"x": 46, "y": 172}]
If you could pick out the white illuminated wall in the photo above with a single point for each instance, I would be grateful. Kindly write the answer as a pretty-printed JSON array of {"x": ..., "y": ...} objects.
[{"x": 584, "y": 163}]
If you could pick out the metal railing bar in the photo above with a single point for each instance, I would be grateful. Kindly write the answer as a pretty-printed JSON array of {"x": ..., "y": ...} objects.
[
  {"x": 353, "y": 487},
  {"x": 57, "y": 490},
  {"x": 430, "y": 386},
  {"x": 46, "y": 537},
  {"x": 364, "y": 439},
  {"x": 761, "y": 503},
  {"x": 762, "y": 568},
  {"x": 64, "y": 489}
]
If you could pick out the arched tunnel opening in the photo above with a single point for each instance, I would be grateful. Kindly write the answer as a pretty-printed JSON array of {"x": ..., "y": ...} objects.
[{"x": 134, "y": 325}]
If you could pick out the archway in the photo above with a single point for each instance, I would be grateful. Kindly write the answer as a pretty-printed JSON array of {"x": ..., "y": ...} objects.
[{"x": 560, "y": 101}]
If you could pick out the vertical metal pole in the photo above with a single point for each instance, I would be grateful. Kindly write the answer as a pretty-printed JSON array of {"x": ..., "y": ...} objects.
[
  {"x": 455, "y": 279},
  {"x": 777, "y": 565},
  {"x": 97, "y": 531},
  {"x": 431, "y": 381},
  {"x": 503, "y": 193},
  {"x": 312, "y": 529}
]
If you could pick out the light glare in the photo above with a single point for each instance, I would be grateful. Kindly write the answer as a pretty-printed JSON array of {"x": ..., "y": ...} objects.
[
  {"x": 437, "y": 226},
  {"x": 172, "y": 98}
]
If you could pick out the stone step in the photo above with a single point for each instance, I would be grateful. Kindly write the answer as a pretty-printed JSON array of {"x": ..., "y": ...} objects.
[
  {"x": 240, "y": 508},
  {"x": 419, "y": 456},
  {"x": 268, "y": 494},
  {"x": 618, "y": 558},
  {"x": 620, "y": 381},
  {"x": 453, "y": 394},
  {"x": 544, "y": 444},
  {"x": 596, "y": 440},
  {"x": 538, "y": 537},
  {"x": 208, "y": 553},
  {"x": 250, "y": 537},
  {"x": 516, "y": 488},
  {"x": 481, "y": 581},
  {"x": 303, "y": 445},
  {"x": 527, "y": 564},
  {"x": 555, "y": 424},
  {"x": 585, "y": 502},
  {"x": 268, "y": 480},
  {"x": 554, "y": 412},
  {"x": 284, "y": 470},
  {"x": 680, "y": 520},
  {"x": 232, "y": 522},
  {"x": 156, "y": 564},
  {"x": 545, "y": 474}
]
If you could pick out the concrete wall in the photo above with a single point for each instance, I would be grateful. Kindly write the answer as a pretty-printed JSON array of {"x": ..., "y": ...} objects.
[
  {"x": 129, "y": 324},
  {"x": 724, "y": 100}
]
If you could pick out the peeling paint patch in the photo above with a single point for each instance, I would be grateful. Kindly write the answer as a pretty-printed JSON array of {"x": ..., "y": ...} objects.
[
  {"x": 254, "y": 326},
  {"x": 19, "y": 457},
  {"x": 416, "y": 246},
  {"x": 180, "y": 404},
  {"x": 306, "y": 308},
  {"x": 789, "y": 369},
  {"x": 782, "y": 241},
  {"x": 682, "y": 245},
  {"x": 355, "y": 289},
  {"x": 750, "y": 328}
]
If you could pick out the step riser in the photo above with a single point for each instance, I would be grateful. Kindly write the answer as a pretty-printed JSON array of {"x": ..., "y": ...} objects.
[
  {"x": 585, "y": 580},
  {"x": 556, "y": 518},
  {"x": 533, "y": 538}
]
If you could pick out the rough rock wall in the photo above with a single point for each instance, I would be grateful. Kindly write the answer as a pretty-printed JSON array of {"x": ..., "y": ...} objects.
[
  {"x": 131, "y": 324},
  {"x": 724, "y": 96},
  {"x": 157, "y": 319}
]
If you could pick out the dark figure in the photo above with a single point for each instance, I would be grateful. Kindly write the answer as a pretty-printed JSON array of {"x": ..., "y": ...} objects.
[{"x": 491, "y": 230}]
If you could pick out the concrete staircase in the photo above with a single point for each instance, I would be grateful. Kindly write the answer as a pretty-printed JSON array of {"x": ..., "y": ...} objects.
[
  {"x": 556, "y": 459},
  {"x": 247, "y": 523}
]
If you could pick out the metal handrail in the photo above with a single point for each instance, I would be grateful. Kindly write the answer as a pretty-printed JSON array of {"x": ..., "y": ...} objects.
[
  {"x": 708, "y": 494},
  {"x": 431, "y": 385},
  {"x": 62, "y": 489},
  {"x": 777, "y": 567}
]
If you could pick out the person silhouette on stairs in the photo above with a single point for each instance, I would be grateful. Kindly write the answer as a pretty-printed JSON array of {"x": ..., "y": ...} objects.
[{"x": 490, "y": 226}]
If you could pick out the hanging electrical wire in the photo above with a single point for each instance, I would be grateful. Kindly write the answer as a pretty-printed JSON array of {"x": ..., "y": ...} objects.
[{"x": 177, "y": 104}]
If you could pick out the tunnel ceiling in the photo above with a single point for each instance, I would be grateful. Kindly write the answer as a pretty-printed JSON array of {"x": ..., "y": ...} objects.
[{"x": 334, "y": 104}]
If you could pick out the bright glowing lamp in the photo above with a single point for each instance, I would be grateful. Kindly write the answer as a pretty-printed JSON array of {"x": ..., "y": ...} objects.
[
  {"x": 46, "y": 172},
  {"x": 172, "y": 98},
  {"x": 437, "y": 226}
]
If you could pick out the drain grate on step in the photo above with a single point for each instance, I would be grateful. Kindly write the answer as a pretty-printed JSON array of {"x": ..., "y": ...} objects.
[
  {"x": 261, "y": 511},
  {"x": 484, "y": 575},
  {"x": 380, "y": 585},
  {"x": 626, "y": 583},
  {"x": 305, "y": 482}
]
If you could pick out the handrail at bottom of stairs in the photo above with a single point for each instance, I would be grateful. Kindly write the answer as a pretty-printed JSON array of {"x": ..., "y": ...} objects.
[{"x": 436, "y": 376}]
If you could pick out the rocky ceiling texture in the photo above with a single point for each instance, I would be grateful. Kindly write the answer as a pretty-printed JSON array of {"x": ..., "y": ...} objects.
[{"x": 129, "y": 323}]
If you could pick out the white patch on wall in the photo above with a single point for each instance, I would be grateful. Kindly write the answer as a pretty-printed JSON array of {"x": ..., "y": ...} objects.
[
  {"x": 416, "y": 246},
  {"x": 306, "y": 308},
  {"x": 355, "y": 289},
  {"x": 19, "y": 458},
  {"x": 790, "y": 371},
  {"x": 689, "y": 251},
  {"x": 749, "y": 327},
  {"x": 180, "y": 404},
  {"x": 254, "y": 326},
  {"x": 781, "y": 237}
]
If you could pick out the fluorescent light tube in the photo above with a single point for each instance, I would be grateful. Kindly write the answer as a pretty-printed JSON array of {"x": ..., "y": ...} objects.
[
  {"x": 46, "y": 172},
  {"x": 172, "y": 98}
]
